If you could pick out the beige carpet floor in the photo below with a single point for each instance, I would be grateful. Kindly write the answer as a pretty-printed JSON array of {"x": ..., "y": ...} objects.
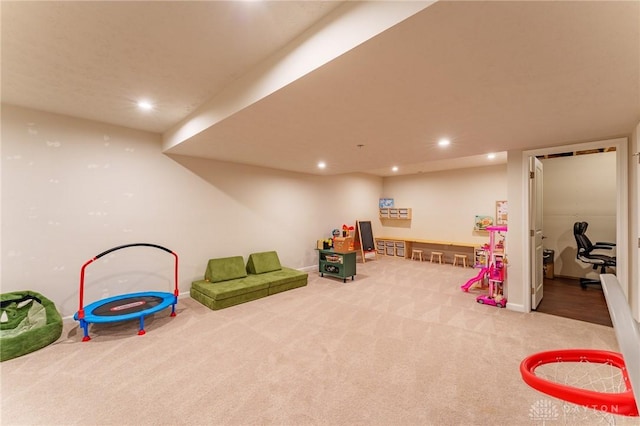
[{"x": 400, "y": 345}]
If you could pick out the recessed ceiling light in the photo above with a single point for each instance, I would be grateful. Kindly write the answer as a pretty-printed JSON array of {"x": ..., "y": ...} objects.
[
  {"x": 491, "y": 156},
  {"x": 322, "y": 165},
  {"x": 394, "y": 169},
  {"x": 145, "y": 105},
  {"x": 444, "y": 142}
]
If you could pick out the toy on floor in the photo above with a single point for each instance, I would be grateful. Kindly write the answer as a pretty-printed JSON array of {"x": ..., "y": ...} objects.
[
  {"x": 492, "y": 271},
  {"x": 126, "y": 306},
  {"x": 28, "y": 322}
]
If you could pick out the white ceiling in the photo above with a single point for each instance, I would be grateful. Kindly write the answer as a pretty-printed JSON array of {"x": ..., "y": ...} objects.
[{"x": 491, "y": 76}]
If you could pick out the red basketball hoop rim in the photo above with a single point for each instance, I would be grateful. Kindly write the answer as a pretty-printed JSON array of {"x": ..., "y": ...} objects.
[{"x": 622, "y": 403}]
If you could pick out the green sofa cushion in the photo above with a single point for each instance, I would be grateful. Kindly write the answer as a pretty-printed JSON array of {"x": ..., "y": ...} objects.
[
  {"x": 284, "y": 276},
  {"x": 230, "y": 288},
  {"x": 229, "y": 301},
  {"x": 225, "y": 269},
  {"x": 267, "y": 261}
]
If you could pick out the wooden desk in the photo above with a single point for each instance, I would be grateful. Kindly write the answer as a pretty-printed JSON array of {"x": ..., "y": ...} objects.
[{"x": 402, "y": 247}]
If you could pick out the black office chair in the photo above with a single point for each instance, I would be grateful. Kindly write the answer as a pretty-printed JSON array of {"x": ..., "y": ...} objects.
[{"x": 585, "y": 253}]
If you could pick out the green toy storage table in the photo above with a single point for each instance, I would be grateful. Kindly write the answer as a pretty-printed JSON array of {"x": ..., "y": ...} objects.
[{"x": 337, "y": 264}]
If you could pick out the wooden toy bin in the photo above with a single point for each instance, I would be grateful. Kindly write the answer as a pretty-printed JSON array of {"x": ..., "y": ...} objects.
[{"x": 343, "y": 244}]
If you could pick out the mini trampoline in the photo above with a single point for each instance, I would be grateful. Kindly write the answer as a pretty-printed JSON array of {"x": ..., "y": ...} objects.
[{"x": 126, "y": 306}]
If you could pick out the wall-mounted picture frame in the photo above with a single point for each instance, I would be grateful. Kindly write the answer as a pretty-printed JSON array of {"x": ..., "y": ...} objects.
[
  {"x": 502, "y": 214},
  {"x": 385, "y": 202},
  {"x": 482, "y": 222}
]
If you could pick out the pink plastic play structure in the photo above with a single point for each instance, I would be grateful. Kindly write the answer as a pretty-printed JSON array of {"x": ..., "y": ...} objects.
[{"x": 492, "y": 272}]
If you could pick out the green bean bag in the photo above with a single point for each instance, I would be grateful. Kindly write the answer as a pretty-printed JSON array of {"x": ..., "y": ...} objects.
[{"x": 28, "y": 322}]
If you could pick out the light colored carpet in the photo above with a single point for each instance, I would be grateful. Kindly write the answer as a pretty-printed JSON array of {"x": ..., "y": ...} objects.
[{"x": 400, "y": 345}]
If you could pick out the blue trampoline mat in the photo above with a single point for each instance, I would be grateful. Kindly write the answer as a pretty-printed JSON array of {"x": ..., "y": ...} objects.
[{"x": 127, "y": 306}]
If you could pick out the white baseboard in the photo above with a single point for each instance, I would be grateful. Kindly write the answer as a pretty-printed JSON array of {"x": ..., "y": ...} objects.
[{"x": 516, "y": 307}]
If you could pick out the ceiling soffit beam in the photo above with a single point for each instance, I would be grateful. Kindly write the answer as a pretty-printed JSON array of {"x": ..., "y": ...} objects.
[{"x": 346, "y": 27}]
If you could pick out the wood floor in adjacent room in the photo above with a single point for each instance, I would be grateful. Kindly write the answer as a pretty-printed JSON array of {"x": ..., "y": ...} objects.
[{"x": 565, "y": 298}]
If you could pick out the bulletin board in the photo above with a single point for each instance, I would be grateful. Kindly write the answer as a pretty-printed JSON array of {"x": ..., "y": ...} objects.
[{"x": 502, "y": 213}]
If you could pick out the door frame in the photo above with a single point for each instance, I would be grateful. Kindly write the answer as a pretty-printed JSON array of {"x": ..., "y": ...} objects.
[{"x": 622, "y": 209}]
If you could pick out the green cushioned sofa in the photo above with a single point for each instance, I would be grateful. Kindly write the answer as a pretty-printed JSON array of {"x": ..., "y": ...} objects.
[{"x": 228, "y": 282}]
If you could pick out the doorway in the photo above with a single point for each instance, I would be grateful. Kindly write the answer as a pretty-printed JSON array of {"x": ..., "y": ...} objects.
[
  {"x": 564, "y": 262},
  {"x": 577, "y": 186}
]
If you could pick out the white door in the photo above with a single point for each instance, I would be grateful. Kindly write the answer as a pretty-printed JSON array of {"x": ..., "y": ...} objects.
[{"x": 535, "y": 233}]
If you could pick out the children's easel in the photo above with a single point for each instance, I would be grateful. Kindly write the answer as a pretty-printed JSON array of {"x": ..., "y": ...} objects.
[{"x": 363, "y": 240}]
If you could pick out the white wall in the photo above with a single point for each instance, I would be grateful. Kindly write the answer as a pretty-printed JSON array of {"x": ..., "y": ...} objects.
[
  {"x": 73, "y": 188},
  {"x": 256, "y": 209},
  {"x": 578, "y": 188},
  {"x": 444, "y": 204},
  {"x": 634, "y": 222},
  {"x": 518, "y": 268}
]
